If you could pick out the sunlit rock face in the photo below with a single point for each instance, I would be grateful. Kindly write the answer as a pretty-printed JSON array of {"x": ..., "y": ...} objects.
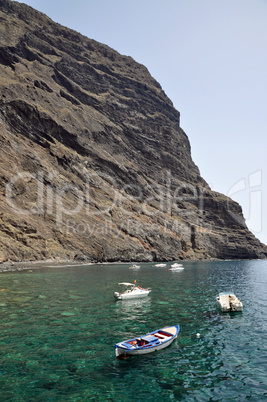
[{"x": 94, "y": 164}]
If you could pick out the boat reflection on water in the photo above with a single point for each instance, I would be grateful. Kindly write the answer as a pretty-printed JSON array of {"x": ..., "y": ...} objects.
[{"x": 133, "y": 308}]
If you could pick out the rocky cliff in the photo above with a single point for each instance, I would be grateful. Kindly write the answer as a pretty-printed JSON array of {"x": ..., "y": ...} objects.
[{"x": 94, "y": 164}]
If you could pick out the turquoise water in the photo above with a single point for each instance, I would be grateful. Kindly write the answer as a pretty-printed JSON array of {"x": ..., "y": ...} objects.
[{"x": 59, "y": 326}]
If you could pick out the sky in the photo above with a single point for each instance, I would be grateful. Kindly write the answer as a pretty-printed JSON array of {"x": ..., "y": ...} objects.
[{"x": 210, "y": 58}]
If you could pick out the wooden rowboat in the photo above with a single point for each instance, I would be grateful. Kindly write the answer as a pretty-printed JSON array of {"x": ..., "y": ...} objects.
[{"x": 148, "y": 343}]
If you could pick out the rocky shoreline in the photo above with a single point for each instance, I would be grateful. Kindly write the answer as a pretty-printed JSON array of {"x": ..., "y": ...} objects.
[
  {"x": 29, "y": 266},
  {"x": 10, "y": 266}
]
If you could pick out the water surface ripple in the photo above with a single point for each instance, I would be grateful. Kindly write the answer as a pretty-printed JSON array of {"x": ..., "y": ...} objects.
[{"x": 59, "y": 327}]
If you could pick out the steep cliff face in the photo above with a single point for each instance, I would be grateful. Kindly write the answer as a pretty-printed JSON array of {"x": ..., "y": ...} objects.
[{"x": 94, "y": 164}]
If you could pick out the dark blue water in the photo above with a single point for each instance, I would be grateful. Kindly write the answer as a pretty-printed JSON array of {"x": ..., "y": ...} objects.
[{"x": 59, "y": 326}]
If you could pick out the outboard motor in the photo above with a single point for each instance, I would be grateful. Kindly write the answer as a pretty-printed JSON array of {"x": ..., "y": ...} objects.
[{"x": 231, "y": 304}]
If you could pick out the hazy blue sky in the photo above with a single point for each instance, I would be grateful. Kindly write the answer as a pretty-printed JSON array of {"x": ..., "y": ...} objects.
[{"x": 210, "y": 57}]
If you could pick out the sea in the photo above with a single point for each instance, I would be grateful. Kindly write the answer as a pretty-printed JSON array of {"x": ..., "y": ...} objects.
[{"x": 59, "y": 326}]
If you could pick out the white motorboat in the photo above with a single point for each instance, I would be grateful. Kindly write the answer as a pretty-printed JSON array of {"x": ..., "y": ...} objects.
[
  {"x": 176, "y": 267},
  {"x": 134, "y": 266},
  {"x": 160, "y": 265},
  {"x": 228, "y": 302},
  {"x": 130, "y": 291},
  {"x": 148, "y": 343}
]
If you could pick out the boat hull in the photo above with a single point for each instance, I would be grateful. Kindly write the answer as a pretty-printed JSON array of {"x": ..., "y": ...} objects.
[
  {"x": 131, "y": 295},
  {"x": 126, "y": 348},
  {"x": 136, "y": 352},
  {"x": 229, "y": 303},
  {"x": 231, "y": 309},
  {"x": 176, "y": 269}
]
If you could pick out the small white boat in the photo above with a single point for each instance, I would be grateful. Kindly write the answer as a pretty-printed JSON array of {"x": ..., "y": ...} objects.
[
  {"x": 228, "y": 302},
  {"x": 134, "y": 266},
  {"x": 160, "y": 265},
  {"x": 156, "y": 340},
  {"x": 176, "y": 267},
  {"x": 130, "y": 291}
]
